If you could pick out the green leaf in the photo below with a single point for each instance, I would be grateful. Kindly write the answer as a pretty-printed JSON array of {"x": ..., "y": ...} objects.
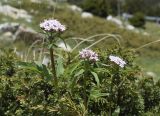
[
  {"x": 37, "y": 68},
  {"x": 46, "y": 73},
  {"x": 29, "y": 66},
  {"x": 79, "y": 73},
  {"x": 60, "y": 68},
  {"x": 96, "y": 93},
  {"x": 76, "y": 78},
  {"x": 101, "y": 70},
  {"x": 52, "y": 45},
  {"x": 96, "y": 77},
  {"x": 74, "y": 67}
]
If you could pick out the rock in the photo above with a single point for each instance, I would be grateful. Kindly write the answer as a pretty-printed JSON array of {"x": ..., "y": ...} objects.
[
  {"x": 109, "y": 18},
  {"x": 36, "y": 1},
  {"x": 27, "y": 35},
  {"x": 146, "y": 34},
  {"x": 50, "y": 2},
  {"x": 14, "y": 12},
  {"x": 17, "y": 32},
  {"x": 130, "y": 27},
  {"x": 64, "y": 47},
  {"x": 86, "y": 15},
  {"x": 9, "y": 27},
  {"x": 75, "y": 8},
  {"x": 46, "y": 61},
  {"x": 114, "y": 20},
  {"x": 8, "y": 34},
  {"x": 151, "y": 74}
]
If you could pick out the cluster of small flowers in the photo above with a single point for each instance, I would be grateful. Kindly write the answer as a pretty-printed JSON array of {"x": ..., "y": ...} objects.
[
  {"x": 117, "y": 60},
  {"x": 52, "y": 25},
  {"x": 88, "y": 55}
]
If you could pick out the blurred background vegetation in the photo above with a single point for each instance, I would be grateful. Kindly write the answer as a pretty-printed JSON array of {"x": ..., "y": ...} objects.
[{"x": 80, "y": 27}]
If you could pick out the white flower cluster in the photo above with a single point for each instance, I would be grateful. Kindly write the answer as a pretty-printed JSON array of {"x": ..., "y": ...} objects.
[
  {"x": 117, "y": 60},
  {"x": 87, "y": 54},
  {"x": 52, "y": 25}
]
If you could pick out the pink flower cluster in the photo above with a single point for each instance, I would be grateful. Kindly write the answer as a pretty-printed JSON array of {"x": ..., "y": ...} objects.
[
  {"x": 117, "y": 60},
  {"x": 87, "y": 54},
  {"x": 52, "y": 25}
]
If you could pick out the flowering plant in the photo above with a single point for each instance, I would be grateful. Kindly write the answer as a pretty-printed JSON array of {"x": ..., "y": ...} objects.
[
  {"x": 117, "y": 60},
  {"x": 89, "y": 55},
  {"x": 85, "y": 86},
  {"x": 52, "y": 25}
]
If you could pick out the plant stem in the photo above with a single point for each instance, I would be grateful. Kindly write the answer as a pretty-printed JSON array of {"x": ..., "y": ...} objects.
[
  {"x": 110, "y": 103},
  {"x": 85, "y": 93},
  {"x": 53, "y": 67}
]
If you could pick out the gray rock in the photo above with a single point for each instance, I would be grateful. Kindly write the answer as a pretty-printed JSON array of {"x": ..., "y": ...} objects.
[
  {"x": 14, "y": 12},
  {"x": 7, "y": 36},
  {"x": 27, "y": 35},
  {"x": 130, "y": 27},
  {"x": 46, "y": 60},
  {"x": 17, "y": 32},
  {"x": 151, "y": 74},
  {"x": 75, "y": 8},
  {"x": 66, "y": 47},
  {"x": 9, "y": 27},
  {"x": 86, "y": 15},
  {"x": 114, "y": 20}
]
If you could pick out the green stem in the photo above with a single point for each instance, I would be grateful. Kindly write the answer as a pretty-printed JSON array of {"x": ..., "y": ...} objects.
[
  {"x": 53, "y": 67},
  {"x": 110, "y": 103},
  {"x": 85, "y": 93}
]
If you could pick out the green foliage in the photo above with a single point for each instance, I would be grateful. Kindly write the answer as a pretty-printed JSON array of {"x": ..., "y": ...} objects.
[
  {"x": 138, "y": 20},
  {"x": 100, "y": 8},
  {"x": 148, "y": 7},
  {"x": 133, "y": 6},
  {"x": 151, "y": 94},
  {"x": 102, "y": 85},
  {"x": 7, "y": 62},
  {"x": 84, "y": 88},
  {"x": 37, "y": 68},
  {"x": 78, "y": 2}
]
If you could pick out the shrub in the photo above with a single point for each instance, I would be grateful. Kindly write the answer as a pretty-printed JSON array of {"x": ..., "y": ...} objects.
[
  {"x": 30, "y": 92},
  {"x": 97, "y": 83},
  {"x": 100, "y": 8},
  {"x": 150, "y": 91},
  {"x": 7, "y": 62},
  {"x": 138, "y": 20}
]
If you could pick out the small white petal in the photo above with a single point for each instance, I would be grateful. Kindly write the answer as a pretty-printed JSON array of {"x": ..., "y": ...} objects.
[{"x": 117, "y": 60}]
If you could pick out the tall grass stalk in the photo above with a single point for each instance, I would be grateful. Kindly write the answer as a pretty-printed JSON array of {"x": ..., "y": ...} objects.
[
  {"x": 109, "y": 36},
  {"x": 29, "y": 49},
  {"x": 145, "y": 45},
  {"x": 97, "y": 35}
]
